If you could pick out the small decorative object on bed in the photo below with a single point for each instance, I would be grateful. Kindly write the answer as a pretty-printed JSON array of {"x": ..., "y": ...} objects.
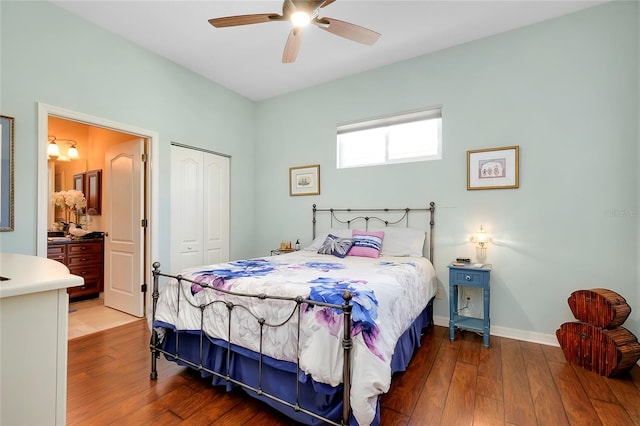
[
  {"x": 597, "y": 342},
  {"x": 316, "y": 336},
  {"x": 304, "y": 180},
  {"x": 493, "y": 168}
]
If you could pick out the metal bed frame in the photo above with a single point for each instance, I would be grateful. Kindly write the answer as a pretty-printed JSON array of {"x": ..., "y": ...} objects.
[
  {"x": 404, "y": 217},
  {"x": 297, "y": 302}
]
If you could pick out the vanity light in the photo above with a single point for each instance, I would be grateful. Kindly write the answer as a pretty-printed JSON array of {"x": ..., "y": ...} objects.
[
  {"x": 53, "y": 151},
  {"x": 72, "y": 152}
]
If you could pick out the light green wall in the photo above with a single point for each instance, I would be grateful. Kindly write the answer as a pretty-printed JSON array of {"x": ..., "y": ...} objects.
[
  {"x": 565, "y": 91},
  {"x": 52, "y": 56}
]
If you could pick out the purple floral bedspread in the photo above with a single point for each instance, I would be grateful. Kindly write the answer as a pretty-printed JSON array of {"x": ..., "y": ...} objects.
[{"x": 388, "y": 294}]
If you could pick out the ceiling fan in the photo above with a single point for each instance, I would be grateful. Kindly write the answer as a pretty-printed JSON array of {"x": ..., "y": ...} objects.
[{"x": 301, "y": 13}]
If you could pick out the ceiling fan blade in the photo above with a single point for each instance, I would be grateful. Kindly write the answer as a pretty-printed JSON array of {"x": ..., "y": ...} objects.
[
  {"x": 327, "y": 3},
  {"x": 347, "y": 30},
  {"x": 232, "y": 21},
  {"x": 292, "y": 47}
]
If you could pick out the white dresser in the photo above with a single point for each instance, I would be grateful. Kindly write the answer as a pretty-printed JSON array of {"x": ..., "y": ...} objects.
[{"x": 34, "y": 309}]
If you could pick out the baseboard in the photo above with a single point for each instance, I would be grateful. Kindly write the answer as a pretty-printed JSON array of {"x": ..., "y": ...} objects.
[
  {"x": 513, "y": 333},
  {"x": 510, "y": 333}
]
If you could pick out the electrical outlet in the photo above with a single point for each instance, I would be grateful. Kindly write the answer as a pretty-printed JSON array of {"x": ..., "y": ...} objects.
[{"x": 438, "y": 293}]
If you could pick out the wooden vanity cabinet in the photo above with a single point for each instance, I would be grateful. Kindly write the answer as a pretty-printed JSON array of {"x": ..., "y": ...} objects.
[
  {"x": 57, "y": 252},
  {"x": 84, "y": 258}
]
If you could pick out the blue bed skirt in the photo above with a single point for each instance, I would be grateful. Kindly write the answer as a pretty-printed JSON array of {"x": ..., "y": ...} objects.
[{"x": 279, "y": 377}]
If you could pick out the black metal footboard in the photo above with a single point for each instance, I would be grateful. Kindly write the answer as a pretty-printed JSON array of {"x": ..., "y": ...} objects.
[{"x": 347, "y": 343}]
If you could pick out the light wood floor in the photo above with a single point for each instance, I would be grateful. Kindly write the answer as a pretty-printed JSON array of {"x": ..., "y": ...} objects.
[{"x": 459, "y": 383}]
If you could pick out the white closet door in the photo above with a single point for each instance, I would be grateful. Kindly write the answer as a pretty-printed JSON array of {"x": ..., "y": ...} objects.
[
  {"x": 199, "y": 208},
  {"x": 216, "y": 208}
]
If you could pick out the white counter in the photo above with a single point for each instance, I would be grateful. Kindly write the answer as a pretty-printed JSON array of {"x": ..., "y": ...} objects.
[
  {"x": 34, "y": 309},
  {"x": 33, "y": 274}
]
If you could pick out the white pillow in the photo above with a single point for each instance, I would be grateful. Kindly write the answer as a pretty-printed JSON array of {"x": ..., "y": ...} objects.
[
  {"x": 402, "y": 242},
  {"x": 319, "y": 240}
]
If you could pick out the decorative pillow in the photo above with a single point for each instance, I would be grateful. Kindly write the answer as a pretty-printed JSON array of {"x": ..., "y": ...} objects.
[
  {"x": 336, "y": 246},
  {"x": 322, "y": 236},
  {"x": 366, "y": 243},
  {"x": 402, "y": 241}
]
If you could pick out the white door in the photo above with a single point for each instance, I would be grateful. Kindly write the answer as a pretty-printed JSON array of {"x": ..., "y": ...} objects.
[
  {"x": 199, "y": 208},
  {"x": 123, "y": 200}
]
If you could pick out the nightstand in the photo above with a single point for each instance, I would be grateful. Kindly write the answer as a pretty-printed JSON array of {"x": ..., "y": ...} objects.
[
  {"x": 469, "y": 276},
  {"x": 277, "y": 252}
]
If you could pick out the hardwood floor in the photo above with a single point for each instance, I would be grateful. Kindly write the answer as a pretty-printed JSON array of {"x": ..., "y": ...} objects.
[{"x": 447, "y": 383}]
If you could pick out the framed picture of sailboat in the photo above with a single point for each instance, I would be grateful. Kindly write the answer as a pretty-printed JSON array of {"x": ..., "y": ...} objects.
[{"x": 304, "y": 180}]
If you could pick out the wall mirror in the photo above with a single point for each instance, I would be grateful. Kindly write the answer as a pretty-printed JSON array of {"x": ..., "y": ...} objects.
[{"x": 6, "y": 173}]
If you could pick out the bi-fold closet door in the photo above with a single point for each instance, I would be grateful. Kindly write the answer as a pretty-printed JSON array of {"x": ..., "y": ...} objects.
[{"x": 199, "y": 208}]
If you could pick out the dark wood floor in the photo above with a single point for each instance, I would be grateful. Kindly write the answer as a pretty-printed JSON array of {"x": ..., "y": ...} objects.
[{"x": 459, "y": 383}]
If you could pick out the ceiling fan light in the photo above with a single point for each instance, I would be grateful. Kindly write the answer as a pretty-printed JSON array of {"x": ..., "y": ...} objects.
[{"x": 300, "y": 19}]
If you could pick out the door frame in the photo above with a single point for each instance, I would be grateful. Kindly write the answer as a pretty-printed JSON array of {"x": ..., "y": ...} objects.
[{"x": 152, "y": 179}]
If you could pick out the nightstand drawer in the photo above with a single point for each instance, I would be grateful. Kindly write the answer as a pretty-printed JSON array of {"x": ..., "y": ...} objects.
[{"x": 472, "y": 278}]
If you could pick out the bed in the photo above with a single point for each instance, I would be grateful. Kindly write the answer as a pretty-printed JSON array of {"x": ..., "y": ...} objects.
[{"x": 315, "y": 333}]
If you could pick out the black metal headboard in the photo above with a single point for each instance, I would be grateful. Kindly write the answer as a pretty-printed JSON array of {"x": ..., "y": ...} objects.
[{"x": 394, "y": 217}]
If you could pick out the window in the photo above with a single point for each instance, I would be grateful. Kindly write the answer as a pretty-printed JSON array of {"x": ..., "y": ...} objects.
[{"x": 409, "y": 137}]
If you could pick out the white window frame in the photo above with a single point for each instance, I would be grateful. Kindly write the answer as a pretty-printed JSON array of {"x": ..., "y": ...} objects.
[{"x": 385, "y": 122}]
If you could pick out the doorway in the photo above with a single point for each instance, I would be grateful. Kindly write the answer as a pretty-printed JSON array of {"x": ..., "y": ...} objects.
[{"x": 48, "y": 118}]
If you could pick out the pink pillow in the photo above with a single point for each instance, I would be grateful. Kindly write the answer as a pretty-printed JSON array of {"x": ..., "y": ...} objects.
[{"x": 366, "y": 243}]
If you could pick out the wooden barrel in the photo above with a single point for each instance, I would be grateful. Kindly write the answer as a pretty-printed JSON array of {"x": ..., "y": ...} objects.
[
  {"x": 607, "y": 352},
  {"x": 599, "y": 307}
]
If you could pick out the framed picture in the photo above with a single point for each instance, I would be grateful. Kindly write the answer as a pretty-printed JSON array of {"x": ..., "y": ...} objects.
[
  {"x": 6, "y": 174},
  {"x": 493, "y": 168},
  {"x": 304, "y": 180}
]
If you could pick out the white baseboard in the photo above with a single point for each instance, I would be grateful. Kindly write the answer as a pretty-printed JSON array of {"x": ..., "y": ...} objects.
[{"x": 511, "y": 333}]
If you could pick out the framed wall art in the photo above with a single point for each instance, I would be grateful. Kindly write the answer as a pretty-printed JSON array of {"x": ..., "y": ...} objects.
[
  {"x": 304, "y": 180},
  {"x": 6, "y": 173},
  {"x": 493, "y": 168}
]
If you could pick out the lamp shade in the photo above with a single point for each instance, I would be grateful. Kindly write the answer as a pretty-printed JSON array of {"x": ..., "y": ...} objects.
[
  {"x": 72, "y": 153},
  {"x": 481, "y": 237},
  {"x": 52, "y": 150}
]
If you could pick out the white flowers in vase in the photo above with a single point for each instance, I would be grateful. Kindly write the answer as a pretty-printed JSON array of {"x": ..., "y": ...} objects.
[{"x": 69, "y": 201}]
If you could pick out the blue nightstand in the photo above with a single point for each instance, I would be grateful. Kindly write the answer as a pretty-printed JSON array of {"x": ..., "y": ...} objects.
[{"x": 469, "y": 276}]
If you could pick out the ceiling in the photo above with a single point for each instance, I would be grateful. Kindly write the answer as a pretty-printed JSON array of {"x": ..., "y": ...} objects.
[{"x": 247, "y": 59}]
